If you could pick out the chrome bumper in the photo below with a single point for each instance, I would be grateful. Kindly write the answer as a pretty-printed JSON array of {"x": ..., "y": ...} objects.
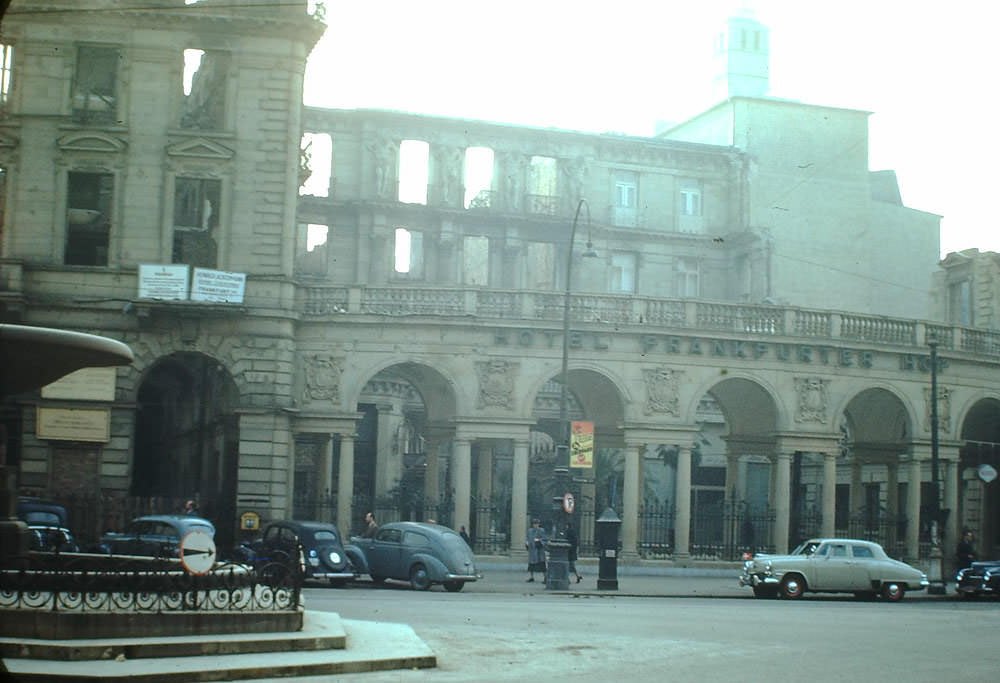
[
  {"x": 754, "y": 580},
  {"x": 331, "y": 575},
  {"x": 462, "y": 577}
]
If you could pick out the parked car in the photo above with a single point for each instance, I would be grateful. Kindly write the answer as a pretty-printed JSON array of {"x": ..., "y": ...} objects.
[
  {"x": 423, "y": 554},
  {"x": 832, "y": 565},
  {"x": 981, "y": 579},
  {"x": 48, "y": 524},
  {"x": 323, "y": 554},
  {"x": 153, "y": 535}
]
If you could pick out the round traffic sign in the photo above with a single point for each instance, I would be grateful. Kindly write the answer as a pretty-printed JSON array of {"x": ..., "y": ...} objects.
[
  {"x": 197, "y": 552},
  {"x": 568, "y": 503}
]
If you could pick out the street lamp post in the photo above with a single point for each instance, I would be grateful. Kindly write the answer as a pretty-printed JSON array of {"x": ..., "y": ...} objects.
[
  {"x": 557, "y": 577},
  {"x": 936, "y": 585}
]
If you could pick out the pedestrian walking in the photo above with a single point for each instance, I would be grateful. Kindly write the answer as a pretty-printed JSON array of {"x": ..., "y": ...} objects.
[
  {"x": 535, "y": 541},
  {"x": 191, "y": 508},
  {"x": 965, "y": 553},
  {"x": 573, "y": 543},
  {"x": 465, "y": 536},
  {"x": 370, "y": 526}
]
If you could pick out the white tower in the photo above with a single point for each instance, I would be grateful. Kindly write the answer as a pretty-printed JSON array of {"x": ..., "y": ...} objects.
[{"x": 742, "y": 57}]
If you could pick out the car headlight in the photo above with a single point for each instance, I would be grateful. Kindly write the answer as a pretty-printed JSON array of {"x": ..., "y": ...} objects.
[
  {"x": 335, "y": 558},
  {"x": 987, "y": 575},
  {"x": 767, "y": 567}
]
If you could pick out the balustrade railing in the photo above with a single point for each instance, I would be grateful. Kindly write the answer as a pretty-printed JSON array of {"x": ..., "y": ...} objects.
[{"x": 648, "y": 312}]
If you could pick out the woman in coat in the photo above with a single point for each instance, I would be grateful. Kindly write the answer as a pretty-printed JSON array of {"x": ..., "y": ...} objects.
[{"x": 535, "y": 542}]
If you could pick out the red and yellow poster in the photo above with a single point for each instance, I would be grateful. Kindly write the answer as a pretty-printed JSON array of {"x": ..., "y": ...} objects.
[{"x": 581, "y": 444}]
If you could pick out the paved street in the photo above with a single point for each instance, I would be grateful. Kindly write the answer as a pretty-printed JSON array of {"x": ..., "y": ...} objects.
[{"x": 503, "y": 629}]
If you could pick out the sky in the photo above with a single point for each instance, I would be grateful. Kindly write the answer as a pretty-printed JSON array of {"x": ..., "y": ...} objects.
[{"x": 927, "y": 71}]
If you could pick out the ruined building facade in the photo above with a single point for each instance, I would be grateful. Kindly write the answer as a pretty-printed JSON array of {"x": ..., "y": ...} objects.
[{"x": 748, "y": 303}]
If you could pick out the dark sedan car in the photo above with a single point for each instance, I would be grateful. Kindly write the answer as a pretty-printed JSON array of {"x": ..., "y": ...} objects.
[
  {"x": 982, "y": 578},
  {"x": 153, "y": 535},
  {"x": 423, "y": 554},
  {"x": 323, "y": 555},
  {"x": 48, "y": 525}
]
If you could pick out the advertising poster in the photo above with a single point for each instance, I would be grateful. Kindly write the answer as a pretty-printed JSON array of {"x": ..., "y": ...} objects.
[{"x": 581, "y": 444}]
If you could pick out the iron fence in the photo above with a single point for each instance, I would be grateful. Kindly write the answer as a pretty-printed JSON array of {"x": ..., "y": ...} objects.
[
  {"x": 71, "y": 582},
  {"x": 490, "y": 530},
  {"x": 656, "y": 531},
  {"x": 718, "y": 532}
]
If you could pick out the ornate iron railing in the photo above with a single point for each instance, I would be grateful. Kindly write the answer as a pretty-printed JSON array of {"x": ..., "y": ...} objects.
[{"x": 93, "y": 583}]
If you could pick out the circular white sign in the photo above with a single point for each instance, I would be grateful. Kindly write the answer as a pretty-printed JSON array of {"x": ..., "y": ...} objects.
[
  {"x": 568, "y": 503},
  {"x": 987, "y": 473},
  {"x": 197, "y": 552}
]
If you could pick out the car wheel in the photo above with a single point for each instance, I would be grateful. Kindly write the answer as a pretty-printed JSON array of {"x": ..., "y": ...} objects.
[
  {"x": 764, "y": 592},
  {"x": 892, "y": 592},
  {"x": 453, "y": 586},
  {"x": 793, "y": 586},
  {"x": 419, "y": 579}
]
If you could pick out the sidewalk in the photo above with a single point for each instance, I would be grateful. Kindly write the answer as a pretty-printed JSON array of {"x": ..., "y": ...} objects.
[{"x": 502, "y": 576}]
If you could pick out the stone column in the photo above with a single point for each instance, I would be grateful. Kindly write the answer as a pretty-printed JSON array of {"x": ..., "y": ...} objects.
[
  {"x": 630, "y": 502},
  {"x": 892, "y": 502},
  {"x": 324, "y": 482},
  {"x": 682, "y": 504},
  {"x": 913, "y": 510},
  {"x": 829, "y": 528},
  {"x": 345, "y": 485},
  {"x": 782, "y": 500},
  {"x": 432, "y": 479},
  {"x": 461, "y": 469},
  {"x": 519, "y": 497},
  {"x": 484, "y": 489}
]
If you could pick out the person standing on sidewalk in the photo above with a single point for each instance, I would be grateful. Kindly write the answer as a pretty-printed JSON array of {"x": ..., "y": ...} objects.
[
  {"x": 535, "y": 541},
  {"x": 965, "y": 553}
]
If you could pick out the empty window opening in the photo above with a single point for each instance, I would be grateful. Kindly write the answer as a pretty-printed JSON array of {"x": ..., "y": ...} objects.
[
  {"x": 960, "y": 302},
  {"x": 413, "y": 171},
  {"x": 625, "y": 199},
  {"x": 687, "y": 278},
  {"x": 408, "y": 252},
  {"x": 317, "y": 160},
  {"x": 542, "y": 178},
  {"x": 95, "y": 84},
  {"x": 205, "y": 77},
  {"x": 88, "y": 218},
  {"x": 196, "y": 219},
  {"x": 623, "y": 272},
  {"x": 316, "y": 235},
  {"x": 690, "y": 196},
  {"x": 476, "y": 260},
  {"x": 6, "y": 62},
  {"x": 478, "y": 177},
  {"x": 540, "y": 266}
]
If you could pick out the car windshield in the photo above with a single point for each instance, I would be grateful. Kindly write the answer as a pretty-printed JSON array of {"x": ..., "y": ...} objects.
[{"x": 807, "y": 548}]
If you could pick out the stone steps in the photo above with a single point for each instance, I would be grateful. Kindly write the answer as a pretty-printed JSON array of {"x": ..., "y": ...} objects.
[{"x": 327, "y": 645}]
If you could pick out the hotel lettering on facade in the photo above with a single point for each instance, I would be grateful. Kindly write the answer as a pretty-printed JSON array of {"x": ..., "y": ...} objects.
[{"x": 750, "y": 341}]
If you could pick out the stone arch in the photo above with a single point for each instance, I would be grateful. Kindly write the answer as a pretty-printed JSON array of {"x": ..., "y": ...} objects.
[
  {"x": 186, "y": 442},
  {"x": 608, "y": 400},
  {"x": 739, "y": 390},
  {"x": 878, "y": 409},
  {"x": 979, "y": 418},
  {"x": 147, "y": 350},
  {"x": 439, "y": 389}
]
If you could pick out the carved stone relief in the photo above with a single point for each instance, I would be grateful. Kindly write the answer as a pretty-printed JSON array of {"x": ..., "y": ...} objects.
[
  {"x": 662, "y": 389},
  {"x": 944, "y": 409},
  {"x": 496, "y": 383},
  {"x": 384, "y": 151},
  {"x": 813, "y": 400},
  {"x": 322, "y": 377}
]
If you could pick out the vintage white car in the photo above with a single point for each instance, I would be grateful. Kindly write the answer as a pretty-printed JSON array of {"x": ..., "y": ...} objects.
[{"x": 832, "y": 565}]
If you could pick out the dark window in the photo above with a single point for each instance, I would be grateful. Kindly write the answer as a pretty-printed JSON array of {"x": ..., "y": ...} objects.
[
  {"x": 196, "y": 217},
  {"x": 95, "y": 86},
  {"x": 413, "y": 538},
  {"x": 88, "y": 218},
  {"x": 862, "y": 551}
]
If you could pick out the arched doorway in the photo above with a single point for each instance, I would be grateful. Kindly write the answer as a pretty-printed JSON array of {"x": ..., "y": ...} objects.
[
  {"x": 187, "y": 437},
  {"x": 979, "y": 494}
]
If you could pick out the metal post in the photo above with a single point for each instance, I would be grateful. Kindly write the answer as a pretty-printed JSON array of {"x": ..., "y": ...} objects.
[
  {"x": 936, "y": 586},
  {"x": 557, "y": 577}
]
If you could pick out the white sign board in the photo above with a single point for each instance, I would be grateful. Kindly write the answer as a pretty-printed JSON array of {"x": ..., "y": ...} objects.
[
  {"x": 73, "y": 424},
  {"x": 86, "y": 384},
  {"x": 218, "y": 285},
  {"x": 197, "y": 552},
  {"x": 987, "y": 473},
  {"x": 163, "y": 281}
]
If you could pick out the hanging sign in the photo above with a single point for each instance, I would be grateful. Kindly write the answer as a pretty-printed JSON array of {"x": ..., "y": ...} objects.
[{"x": 581, "y": 444}]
